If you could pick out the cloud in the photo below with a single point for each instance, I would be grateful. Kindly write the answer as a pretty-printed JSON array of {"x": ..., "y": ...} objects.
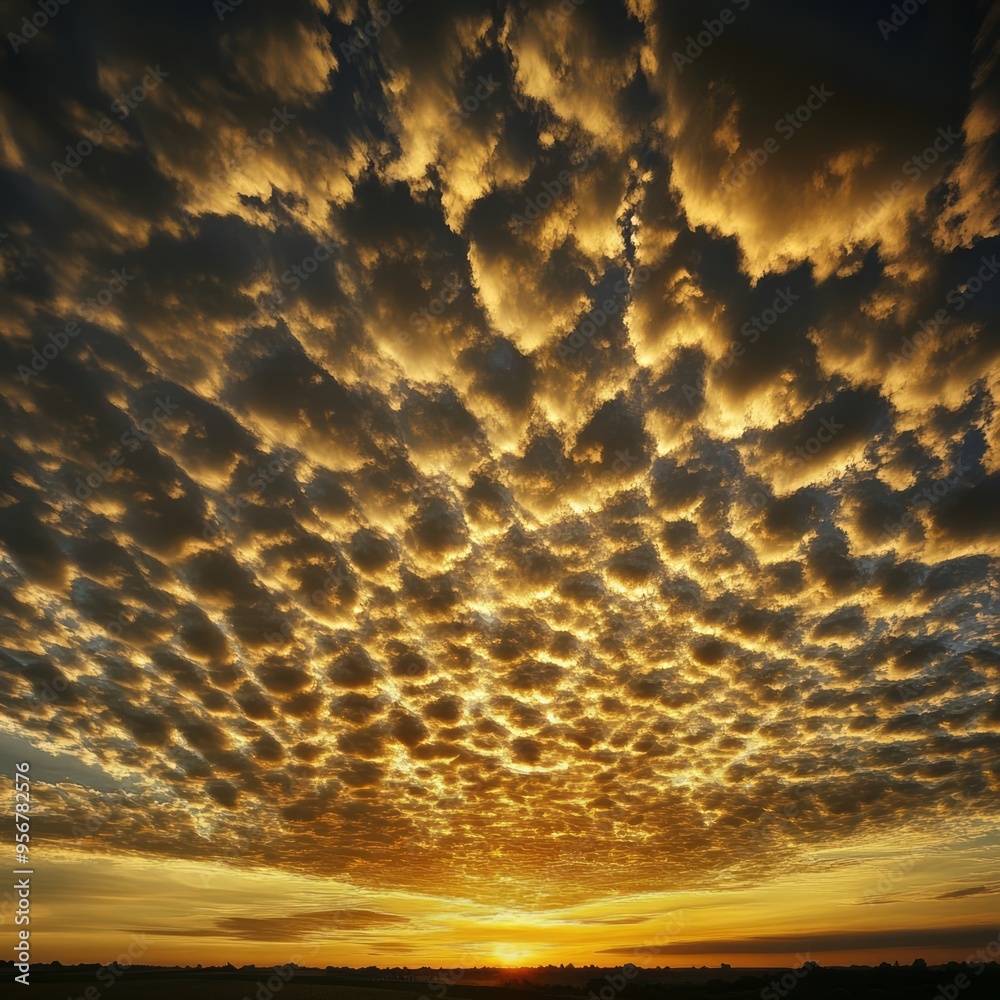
[{"x": 961, "y": 938}]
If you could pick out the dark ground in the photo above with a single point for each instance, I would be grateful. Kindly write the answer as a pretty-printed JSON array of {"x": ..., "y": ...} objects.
[{"x": 952, "y": 982}]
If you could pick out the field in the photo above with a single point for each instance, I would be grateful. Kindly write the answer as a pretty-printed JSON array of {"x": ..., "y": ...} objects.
[{"x": 941, "y": 983}]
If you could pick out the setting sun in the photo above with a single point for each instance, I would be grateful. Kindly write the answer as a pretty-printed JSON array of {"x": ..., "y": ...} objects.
[{"x": 512, "y": 956}]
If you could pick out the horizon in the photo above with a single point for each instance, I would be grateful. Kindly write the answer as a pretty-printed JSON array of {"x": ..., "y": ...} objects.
[
  {"x": 500, "y": 483},
  {"x": 567, "y": 967}
]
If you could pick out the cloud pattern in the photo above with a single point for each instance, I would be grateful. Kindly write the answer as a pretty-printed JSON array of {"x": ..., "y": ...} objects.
[{"x": 438, "y": 489}]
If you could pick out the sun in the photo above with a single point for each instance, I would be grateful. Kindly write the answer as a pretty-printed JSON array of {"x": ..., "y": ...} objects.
[{"x": 512, "y": 955}]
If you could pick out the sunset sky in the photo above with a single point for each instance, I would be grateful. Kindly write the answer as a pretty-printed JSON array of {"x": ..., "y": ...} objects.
[{"x": 516, "y": 485}]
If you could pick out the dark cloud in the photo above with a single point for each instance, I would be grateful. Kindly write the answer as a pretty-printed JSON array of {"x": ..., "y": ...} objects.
[{"x": 960, "y": 938}]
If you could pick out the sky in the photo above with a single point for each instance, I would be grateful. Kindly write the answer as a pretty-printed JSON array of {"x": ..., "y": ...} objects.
[{"x": 493, "y": 483}]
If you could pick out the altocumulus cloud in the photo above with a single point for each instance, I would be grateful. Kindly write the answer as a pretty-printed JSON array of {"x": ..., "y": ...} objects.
[{"x": 490, "y": 581}]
